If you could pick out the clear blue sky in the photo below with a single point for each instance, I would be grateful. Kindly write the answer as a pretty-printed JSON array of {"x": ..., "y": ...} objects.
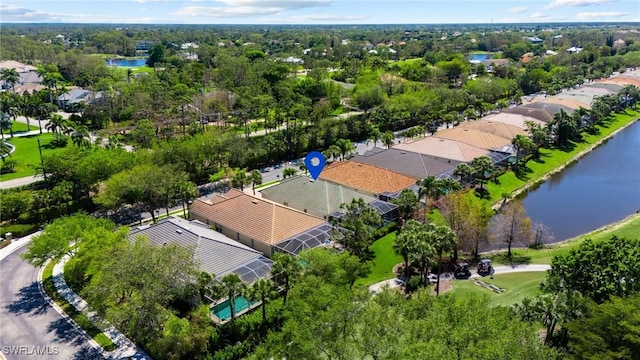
[{"x": 317, "y": 11}]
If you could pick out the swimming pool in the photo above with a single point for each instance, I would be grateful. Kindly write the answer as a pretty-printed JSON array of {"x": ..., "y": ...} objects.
[{"x": 240, "y": 305}]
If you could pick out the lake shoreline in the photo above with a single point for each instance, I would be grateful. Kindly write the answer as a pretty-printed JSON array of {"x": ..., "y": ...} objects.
[{"x": 523, "y": 189}]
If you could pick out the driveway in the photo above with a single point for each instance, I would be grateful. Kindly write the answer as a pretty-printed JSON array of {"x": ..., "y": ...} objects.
[{"x": 30, "y": 327}]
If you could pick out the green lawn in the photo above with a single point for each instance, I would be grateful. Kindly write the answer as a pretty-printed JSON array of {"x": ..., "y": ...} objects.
[
  {"x": 517, "y": 287},
  {"x": 552, "y": 159},
  {"x": 384, "y": 261},
  {"x": 27, "y": 154},
  {"x": 19, "y": 127}
]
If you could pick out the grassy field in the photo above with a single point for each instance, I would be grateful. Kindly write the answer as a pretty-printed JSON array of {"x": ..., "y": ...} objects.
[
  {"x": 384, "y": 261},
  {"x": 27, "y": 154},
  {"x": 19, "y": 127},
  {"x": 74, "y": 314},
  {"x": 517, "y": 287},
  {"x": 554, "y": 158}
]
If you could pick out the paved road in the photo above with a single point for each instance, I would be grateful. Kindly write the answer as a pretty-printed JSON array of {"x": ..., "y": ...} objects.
[{"x": 29, "y": 324}]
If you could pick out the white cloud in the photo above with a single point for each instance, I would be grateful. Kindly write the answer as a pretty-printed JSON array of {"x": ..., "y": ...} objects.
[
  {"x": 572, "y": 3},
  {"x": 589, "y": 16},
  {"x": 244, "y": 8},
  {"x": 517, "y": 10},
  {"x": 12, "y": 13},
  {"x": 148, "y": 1},
  {"x": 539, "y": 16}
]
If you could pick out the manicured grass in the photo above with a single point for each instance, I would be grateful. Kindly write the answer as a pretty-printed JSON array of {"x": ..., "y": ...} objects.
[
  {"x": 517, "y": 287},
  {"x": 27, "y": 155},
  {"x": 551, "y": 159},
  {"x": 74, "y": 314},
  {"x": 19, "y": 127},
  {"x": 384, "y": 261}
]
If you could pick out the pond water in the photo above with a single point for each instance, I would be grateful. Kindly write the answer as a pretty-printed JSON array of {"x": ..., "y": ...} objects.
[
  {"x": 127, "y": 62},
  {"x": 601, "y": 188},
  {"x": 480, "y": 57}
]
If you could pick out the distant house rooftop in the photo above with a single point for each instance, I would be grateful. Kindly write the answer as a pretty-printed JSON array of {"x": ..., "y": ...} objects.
[
  {"x": 17, "y": 66},
  {"x": 409, "y": 163},
  {"x": 364, "y": 177},
  {"x": 216, "y": 253}
]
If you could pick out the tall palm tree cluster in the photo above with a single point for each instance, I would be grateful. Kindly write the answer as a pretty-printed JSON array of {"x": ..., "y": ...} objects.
[
  {"x": 62, "y": 127},
  {"x": 422, "y": 246}
]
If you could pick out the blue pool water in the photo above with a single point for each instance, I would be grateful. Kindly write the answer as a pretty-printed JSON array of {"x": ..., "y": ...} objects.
[
  {"x": 223, "y": 311},
  {"x": 480, "y": 57},
  {"x": 127, "y": 62}
]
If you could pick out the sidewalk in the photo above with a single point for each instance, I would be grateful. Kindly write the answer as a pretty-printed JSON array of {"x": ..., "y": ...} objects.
[{"x": 126, "y": 348}]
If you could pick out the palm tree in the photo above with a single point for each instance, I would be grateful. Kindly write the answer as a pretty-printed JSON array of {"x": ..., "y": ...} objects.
[
  {"x": 422, "y": 253},
  {"x": 9, "y": 106},
  {"x": 427, "y": 188},
  {"x": 408, "y": 203},
  {"x": 186, "y": 191},
  {"x": 463, "y": 171},
  {"x": 240, "y": 179},
  {"x": 388, "y": 139},
  {"x": 286, "y": 269},
  {"x": 443, "y": 239},
  {"x": 206, "y": 284},
  {"x": 42, "y": 111},
  {"x": 288, "y": 172},
  {"x": 10, "y": 76},
  {"x": 57, "y": 124},
  {"x": 406, "y": 241},
  {"x": 482, "y": 165},
  {"x": 263, "y": 290},
  {"x": 333, "y": 152},
  {"x": 522, "y": 144},
  {"x": 5, "y": 124},
  {"x": 374, "y": 136},
  {"x": 80, "y": 135},
  {"x": 232, "y": 286},
  {"x": 256, "y": 179},
  {"x": 27, "y": 105},
  {"x": 346, "y": 147}
]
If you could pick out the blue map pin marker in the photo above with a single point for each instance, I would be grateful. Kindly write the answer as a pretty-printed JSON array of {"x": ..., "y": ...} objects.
[{"x": 315, "y": 161}]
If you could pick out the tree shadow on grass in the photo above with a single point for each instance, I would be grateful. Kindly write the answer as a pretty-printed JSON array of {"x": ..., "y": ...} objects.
[
  {"x": 482, "y": 193},
  {"x": 29, "y": 301},
  {"x": 516, "y": 258},
  {"x": 523, "y": 173}
]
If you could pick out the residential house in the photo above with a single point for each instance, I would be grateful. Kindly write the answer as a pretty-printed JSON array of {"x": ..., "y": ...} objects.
[
  {"x": 409, "y": 163},
  {"x": 215, "y": 253},
  {"x": 323, "y": 198},
  {"x": 78, "y": 95},
  {"x": 259, "y": 223},
  {"x": 369, "y": 179}
]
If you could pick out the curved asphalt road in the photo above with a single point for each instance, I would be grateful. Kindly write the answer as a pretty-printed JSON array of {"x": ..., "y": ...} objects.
[{"x": 29, "y": 327}]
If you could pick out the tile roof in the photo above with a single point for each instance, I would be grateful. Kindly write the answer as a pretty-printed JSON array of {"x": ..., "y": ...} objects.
[
  {"x": 572, "y": 101},
  {"x": 443, "y": 148},
  {"x": 256, "y": 218},
  {"x": 413, "y": 164},
  {"x": 216, "y": 253},
  {"x": 512, "y": 119},
  {"x": 483, "y": 134},
  {"x": 365, "y": 177},
  {"x": 318, "y": 197}
]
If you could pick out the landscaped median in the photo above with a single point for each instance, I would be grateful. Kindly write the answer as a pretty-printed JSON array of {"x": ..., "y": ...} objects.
[
  {"x": 110, "y": 339},
  {"x": 80, "y": 319}
]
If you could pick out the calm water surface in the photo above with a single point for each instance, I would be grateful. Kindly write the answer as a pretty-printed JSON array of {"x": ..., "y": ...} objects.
[
  {"x": 127, "y": 62},
  {"x": 602, "y": 188}
]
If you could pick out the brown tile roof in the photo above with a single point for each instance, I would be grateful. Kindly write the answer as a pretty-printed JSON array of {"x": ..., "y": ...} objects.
[
  {"x": 259, "y": 219},
  {"x": 483, "y": 134},
  {"x": 369, "y": 178},
  {"x": 443, "y": 148}
]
